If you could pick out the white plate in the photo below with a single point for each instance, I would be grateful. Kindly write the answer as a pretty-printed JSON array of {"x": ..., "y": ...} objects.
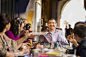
[
  {"x": 40, "y": 33},
  {"x": 71, "y": 55}
]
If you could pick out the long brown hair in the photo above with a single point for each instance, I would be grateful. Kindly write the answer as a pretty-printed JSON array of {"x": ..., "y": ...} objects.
[{"x": 15, "y": 24}]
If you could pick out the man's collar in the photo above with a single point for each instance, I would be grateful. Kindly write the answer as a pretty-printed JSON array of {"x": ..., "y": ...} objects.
[
  {"x": 83, "y": 40},
  {"x": 54, "y": 31}
]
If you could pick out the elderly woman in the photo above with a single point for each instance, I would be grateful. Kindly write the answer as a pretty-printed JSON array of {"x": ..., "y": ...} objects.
[{"x": 6, "y": 45}]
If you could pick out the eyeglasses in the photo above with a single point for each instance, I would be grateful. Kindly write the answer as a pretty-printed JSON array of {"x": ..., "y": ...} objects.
[{"x": 51, "y": 22}]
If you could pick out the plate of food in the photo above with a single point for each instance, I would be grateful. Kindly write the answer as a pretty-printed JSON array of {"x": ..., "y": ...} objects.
[{"x": 54, "y": 53}]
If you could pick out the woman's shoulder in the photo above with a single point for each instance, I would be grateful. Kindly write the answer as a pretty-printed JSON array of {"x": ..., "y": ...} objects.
[
  {"x": 8, "y": 31},
  {"x": 10, "y": 42},
  {"x": 6, "y": 37}
]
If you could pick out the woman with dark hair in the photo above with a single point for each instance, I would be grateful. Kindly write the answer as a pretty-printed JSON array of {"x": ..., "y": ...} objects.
[
  {"x": 6, "y": 44},
  {"x": 17, "y": 26}
]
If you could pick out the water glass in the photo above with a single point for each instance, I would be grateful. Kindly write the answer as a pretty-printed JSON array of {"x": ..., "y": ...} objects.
[
  {"x": 16, "y": 53},
  {"x": 47, "y": 45}
]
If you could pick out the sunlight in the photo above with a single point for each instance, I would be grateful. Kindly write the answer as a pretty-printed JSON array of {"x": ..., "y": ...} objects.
[{"x": 72, "y": 13}]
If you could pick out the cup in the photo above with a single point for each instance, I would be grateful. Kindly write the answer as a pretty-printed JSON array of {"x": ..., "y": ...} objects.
[
  {"x": 16, "y": 53},
  {"x": 46, "y": 45},
  {"x": 70, "y": 51}
]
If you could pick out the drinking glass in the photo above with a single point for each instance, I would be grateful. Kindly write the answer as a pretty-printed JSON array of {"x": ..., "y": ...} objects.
[
  {"x": 16, "y": 53},
  {"x": 47, "y": 45}
]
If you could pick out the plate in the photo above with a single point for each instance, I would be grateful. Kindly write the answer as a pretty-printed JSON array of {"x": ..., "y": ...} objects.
[
  {"x": 54, "y": 53},
  {"x": 71, "y": 55},
  {"x": 40, "y": 33}
]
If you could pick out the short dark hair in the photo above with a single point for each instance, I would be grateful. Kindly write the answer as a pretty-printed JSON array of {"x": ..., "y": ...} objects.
[
  {"x": 15, "y": 23},
  {"x": 4, "y": 20},
  {"x": 80, "y": 30},
  {"x": 80, "y": 22},
  {"x": 69, "y": 25},
  {"x": 51, "y": 19}
]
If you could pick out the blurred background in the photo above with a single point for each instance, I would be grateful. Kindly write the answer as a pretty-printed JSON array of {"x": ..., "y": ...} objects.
[{"x": 64, "y": 11}]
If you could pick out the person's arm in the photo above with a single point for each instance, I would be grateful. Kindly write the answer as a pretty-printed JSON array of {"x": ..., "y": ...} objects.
[
  {"x": 21, "y": 40},
  {"x": 10, "y": 54},
  {"x": 18, "y": 39},
  {"x": 2, "y": 48},
  {"x": 72, "y": 40},
  {"x": 18, "y": 46}
]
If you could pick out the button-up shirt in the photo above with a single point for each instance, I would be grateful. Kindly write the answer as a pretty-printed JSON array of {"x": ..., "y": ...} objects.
[{"x": 55, "y": 36}]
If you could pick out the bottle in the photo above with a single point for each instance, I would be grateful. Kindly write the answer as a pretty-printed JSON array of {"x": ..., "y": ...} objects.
[{"x": 56, "y": 45}]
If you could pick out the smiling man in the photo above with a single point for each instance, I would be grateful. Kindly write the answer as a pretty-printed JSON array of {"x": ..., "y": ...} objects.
[{"x": 53, "y": 34}]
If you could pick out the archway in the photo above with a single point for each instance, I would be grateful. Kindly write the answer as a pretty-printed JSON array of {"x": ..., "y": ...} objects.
[{"x": 73, "y": 12}]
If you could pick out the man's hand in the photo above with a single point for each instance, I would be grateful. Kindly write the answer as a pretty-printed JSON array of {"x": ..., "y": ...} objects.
[{"x": 72, "y": 40}]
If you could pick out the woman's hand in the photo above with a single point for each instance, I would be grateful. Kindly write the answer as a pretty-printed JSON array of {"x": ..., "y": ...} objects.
[
  {"x": 29, "y": 41},
  {"x": 25, "y": 46}
]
